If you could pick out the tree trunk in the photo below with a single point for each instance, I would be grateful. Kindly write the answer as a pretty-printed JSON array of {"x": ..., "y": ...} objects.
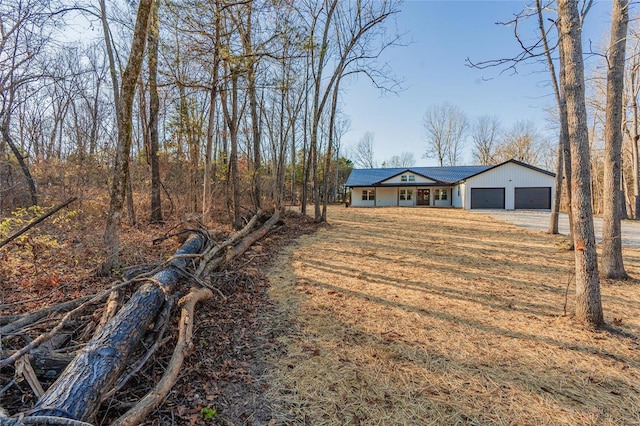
[
  {"x": 562, "y": 112},
  {"x": 327, "y": 165},
  {"x": 210, "y": 150},
  {"x": 306, "y": 151},
  {"x": 294, "y": 172},
  {"x": 256, "y": 134},
  {"x": 588, "y": 300},
  {"x": 232, "y": 119},
  {"x": 566, "y": 148},
  {"x": 154, "y": 110},
  {"x": 636, "y": 170},
  {"x": 78, "y": 391},
  {"x": 281, "y": 150},
  {"x": 612, "y": 264},
  {"x": 31, "y": 182},
  {"x": 124, "y": 111},
  {"x": 233, "y": 160},
  {"x": 557, "y": 194},
  {"x": 252, "y": 94},
  {"x": 208, "y": 154},
  {"x": 635, "y": 136},
  {"x": 318, "y": 107},
  {"x": 95, "y": 113},
  {"x": 131, "y": 212}
]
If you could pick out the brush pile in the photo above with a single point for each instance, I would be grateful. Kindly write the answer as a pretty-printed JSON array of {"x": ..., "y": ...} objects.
[{"x": 84, "y": 351}]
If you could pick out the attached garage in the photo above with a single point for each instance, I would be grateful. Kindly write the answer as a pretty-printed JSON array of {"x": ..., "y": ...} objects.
[
  {"x": 487, "y": 198},
  {"x": 499, "y": 186},
  {"x": 533, "y": 198}
]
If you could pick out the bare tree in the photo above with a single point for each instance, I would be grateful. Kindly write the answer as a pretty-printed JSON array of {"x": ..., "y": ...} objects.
[
  {"x": 154, "y": 109},
  {"x": 562, "y": 151},
  {"x": 632, "y": 126},
  {"x": 124, "y": 106},
  {"x": 333, "y": 112},
  {"x": 485, "y": 134},
  {"x": 23, "y": 37},
  {"x": 244, "y": 22},
  {"x": 445, "y": 126},
  {"x": 588, "y": 299},
  {"x": 611, "y": 261},
  {"x": 405, "y": 159},
  {"x": 362, "y": 153},
  {"x": 232, "y": 116},
  {"x": 359, "y": 40},
  {"x": 521, "y": 142},
  {"x": 281, "y": 107},
  {"x": 536, "y": 50}
]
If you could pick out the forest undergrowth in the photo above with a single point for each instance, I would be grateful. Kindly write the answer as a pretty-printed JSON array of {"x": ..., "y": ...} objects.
[{"x": 58, "y": 261}]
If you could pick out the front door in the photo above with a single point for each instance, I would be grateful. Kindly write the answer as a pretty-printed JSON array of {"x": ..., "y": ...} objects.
[{"x": 423, "y": 197}]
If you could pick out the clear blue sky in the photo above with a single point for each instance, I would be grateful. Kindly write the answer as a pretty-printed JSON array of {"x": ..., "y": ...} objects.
[{"x": 445, "y": 33}]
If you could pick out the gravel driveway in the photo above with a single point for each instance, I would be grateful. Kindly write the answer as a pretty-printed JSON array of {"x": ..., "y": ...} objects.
[{"x": 535, "y": 219}]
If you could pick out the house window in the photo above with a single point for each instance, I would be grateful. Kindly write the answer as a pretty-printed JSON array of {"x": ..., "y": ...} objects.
[
  {"x": 406, "y": 194},
  {"x": 407, "y": 178},
  {"x": 441, "y": 194},
  {"x": 368, "y": 194}
]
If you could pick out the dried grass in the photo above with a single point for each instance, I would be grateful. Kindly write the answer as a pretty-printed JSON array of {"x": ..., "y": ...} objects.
[{"x": 439, "y": 316}]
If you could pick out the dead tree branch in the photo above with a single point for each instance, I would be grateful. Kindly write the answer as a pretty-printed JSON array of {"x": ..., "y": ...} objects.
[
  {"x": 37, "y": 221},
  {"x": 183, "y": 347}
]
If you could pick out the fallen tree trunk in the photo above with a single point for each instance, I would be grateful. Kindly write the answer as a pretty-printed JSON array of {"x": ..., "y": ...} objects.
[
  {"x": 205, "y": 268},
  {"x": 9, "y": 324},
  {"x": 48, "y": 364},
  {"x": 147, "y": 404},
  {"x": 92, "y": 375},
  {"x": 78, "y": 391}
]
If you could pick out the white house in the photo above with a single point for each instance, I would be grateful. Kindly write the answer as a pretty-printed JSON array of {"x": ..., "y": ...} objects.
[{"x": 509, "y": 185}]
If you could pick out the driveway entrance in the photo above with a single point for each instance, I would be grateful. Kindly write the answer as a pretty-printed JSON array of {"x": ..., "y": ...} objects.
[{"x": 539, "y": 220}]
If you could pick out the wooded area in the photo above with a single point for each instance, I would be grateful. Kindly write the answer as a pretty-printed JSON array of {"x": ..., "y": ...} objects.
[{"x": 239, "y": 107}]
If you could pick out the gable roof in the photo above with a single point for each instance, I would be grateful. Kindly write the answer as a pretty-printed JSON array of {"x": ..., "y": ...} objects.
[
  {"x": 514, "y": 161},
  {"x": 443, "y": 175},
  {"x": 446, "y": 175}
]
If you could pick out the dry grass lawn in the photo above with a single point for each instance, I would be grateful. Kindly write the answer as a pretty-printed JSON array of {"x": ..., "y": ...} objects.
[{"x": 439, "y": 316}]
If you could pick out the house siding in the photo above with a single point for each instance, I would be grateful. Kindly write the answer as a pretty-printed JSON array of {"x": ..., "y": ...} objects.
[
  {"x": 457, "y": 199},
  {"x": 508, "y": 176},
  {"x": 356, "y": 198},
  {"x": 386, "y": 197},
  {"x": 398, "y": 180}
]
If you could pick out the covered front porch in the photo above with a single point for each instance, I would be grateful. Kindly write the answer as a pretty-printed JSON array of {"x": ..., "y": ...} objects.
[{"x": 403, "y": 196}]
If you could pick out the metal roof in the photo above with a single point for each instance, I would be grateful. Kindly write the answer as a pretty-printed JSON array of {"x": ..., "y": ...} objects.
[{"x": 448, "y": 175}]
